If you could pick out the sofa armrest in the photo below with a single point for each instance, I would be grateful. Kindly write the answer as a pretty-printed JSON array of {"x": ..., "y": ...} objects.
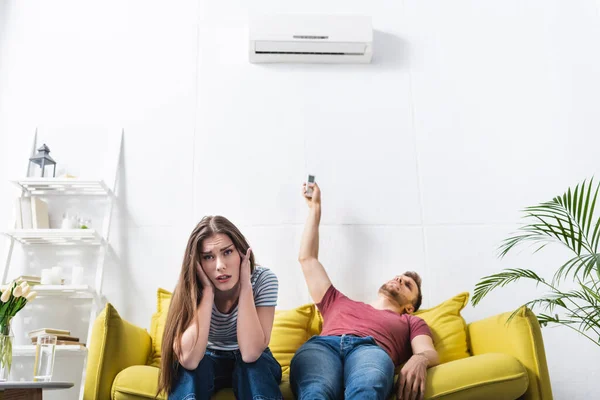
[
  {"x": 487, "y": 376},
  {"x": 115, "y": 345},
  {"x": 522, "y": 339}
]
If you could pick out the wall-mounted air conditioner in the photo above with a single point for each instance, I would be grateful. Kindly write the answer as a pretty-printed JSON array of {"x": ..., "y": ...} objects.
[{"x": 311, "y": 39}]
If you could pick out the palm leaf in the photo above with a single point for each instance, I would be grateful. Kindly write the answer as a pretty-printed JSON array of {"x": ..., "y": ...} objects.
[
  {"x": 593, "y": 294},
  {"x": 566, "y": 219},
  {"x": 588, "y": 212},
  {"x": 508, "y": 244},
  {"x": 586, "y": 209},
  {"x": 541, "y": 247},
  {"x": 596, "y": 236},
  {"x": 547, "y": 303},
  {"x": 579, "y": 201},
  {"x": 587, "y": 316},
  {"x": 489, "y": 283},
  {"x": 571, "y": 234},
  {"x": 578, "y": 262},
  {"x": 584, "y": 323},
  {"x": 545, "y": 319}
]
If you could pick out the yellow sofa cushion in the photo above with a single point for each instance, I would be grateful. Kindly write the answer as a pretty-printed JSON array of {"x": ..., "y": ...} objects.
[
  {"x": 157, "y": 325},
  {"x": 116, "y": 344},
  {"x": 138, "y": 381},
  {"x": 448, "y": 328},
  {"x": 291, "y": 328},
  {"x": 141, "y": 381}
]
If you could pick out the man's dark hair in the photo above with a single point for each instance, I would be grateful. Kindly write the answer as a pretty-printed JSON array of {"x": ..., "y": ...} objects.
[{"x": 417, "y": 302}]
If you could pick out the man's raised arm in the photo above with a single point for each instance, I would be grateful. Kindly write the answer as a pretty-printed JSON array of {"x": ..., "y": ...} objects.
[{"x": 316, "y": 278}]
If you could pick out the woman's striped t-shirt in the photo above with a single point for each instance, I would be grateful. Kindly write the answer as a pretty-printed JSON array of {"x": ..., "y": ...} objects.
[{"x": 223, "y": 327}]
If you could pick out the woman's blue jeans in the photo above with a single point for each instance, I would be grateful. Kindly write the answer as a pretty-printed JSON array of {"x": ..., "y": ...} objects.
[
  {"x": 341, "y": 367},
  {"x": 221, "y": 369}
]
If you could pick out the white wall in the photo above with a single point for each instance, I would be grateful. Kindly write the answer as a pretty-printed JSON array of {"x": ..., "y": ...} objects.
[{"x": 469, "y": 112}]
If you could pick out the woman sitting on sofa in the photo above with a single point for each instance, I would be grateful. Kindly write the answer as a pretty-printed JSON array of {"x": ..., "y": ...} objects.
[{"x": 220, "y": 319}]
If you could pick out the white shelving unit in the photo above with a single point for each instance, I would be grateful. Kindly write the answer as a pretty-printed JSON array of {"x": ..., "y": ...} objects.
[
  {"x": 62, "y": 187},
  {"x": 57, "y": 237},
  {"x": 62, "y": 350},
  {"x": 67, "y": 291},
  {"x": 90, "y": 239}
]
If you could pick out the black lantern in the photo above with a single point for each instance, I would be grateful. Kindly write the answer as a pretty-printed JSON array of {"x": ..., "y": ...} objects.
[{"x": 43, "y": 159}]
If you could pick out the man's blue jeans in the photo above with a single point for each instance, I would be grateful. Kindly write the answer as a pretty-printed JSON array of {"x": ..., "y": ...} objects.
[
  {"x": 341, "y": 367},
  {"x": 221, "y": 369}
]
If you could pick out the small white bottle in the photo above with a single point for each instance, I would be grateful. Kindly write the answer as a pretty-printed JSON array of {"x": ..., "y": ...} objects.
[
  {"x": 66, "y": 221},
  {"x": 77, "y": 275},
  {"x": 46, "y": 276},
  {"x": 57, "y": 273}
]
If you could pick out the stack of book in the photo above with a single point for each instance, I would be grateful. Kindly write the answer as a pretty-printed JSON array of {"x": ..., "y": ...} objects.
[
  {"x": 63, "y": 337},
  {"x": 30, "y": 279}
]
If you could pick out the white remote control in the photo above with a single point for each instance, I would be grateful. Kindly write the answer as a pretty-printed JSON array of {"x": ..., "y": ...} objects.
[{"x": 309, "y": 190}]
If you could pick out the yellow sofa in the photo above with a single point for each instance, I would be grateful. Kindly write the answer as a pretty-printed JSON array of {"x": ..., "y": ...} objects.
[{"x": 487, "y": 359}]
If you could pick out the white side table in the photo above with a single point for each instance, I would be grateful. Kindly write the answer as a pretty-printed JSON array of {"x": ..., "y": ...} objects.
[{"x": 29, "y": 390}]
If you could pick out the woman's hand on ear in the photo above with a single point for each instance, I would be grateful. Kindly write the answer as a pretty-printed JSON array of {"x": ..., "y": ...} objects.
[
  {"x": 204, "y": 279},
  {"x": 245, "y": 267}
]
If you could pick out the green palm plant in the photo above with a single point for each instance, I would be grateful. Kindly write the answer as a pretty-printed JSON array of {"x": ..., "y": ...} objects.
[{"x": 571, "y": 221}]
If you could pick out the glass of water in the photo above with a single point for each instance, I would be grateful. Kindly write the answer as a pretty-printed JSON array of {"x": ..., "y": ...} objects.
[{"x": 44, "y": 358}]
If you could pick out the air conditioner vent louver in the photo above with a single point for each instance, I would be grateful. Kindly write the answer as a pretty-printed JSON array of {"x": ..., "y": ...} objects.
[
  {"x": 306, "y": 52},
  {"x": 310, "y": 37},
  {"x": 324, "y": 39}
]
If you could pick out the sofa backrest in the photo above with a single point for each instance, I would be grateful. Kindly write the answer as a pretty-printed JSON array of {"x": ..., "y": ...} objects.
[
  {"x": 157, "y": 325},
  {"x": 291, "y": 328}
]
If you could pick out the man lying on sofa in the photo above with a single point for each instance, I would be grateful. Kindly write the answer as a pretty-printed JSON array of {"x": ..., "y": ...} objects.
[{"x": 360, "y": 345}]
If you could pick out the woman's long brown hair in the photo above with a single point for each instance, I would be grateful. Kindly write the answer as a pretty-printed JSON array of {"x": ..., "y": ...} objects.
[{"x": 188, "y": 292}]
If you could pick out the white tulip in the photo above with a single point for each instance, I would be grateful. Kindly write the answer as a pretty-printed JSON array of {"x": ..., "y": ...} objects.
[
  {"x": 24, "y": 286},
  {"x": 26, "y": 290},
  {"x": 17, "y": 291},
  {"x": 31, "y": 296},
  {"x": 5, "y": 296}
]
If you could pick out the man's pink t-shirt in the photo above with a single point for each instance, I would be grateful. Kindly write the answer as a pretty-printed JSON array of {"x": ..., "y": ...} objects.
[{"x": 392, "y": 331}]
